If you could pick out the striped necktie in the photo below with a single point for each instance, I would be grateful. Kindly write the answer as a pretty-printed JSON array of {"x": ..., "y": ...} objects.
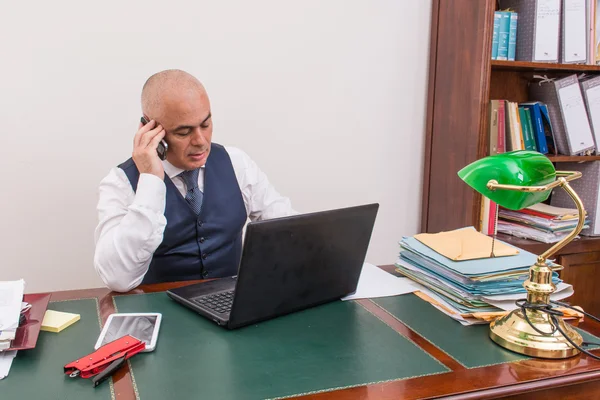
[{"x": 193, "y": 195}]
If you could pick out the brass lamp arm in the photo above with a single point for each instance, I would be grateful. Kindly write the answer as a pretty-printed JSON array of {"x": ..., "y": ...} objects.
[
  {"x": 565, "y": 176},
  {"x": 580, "y": 222}
]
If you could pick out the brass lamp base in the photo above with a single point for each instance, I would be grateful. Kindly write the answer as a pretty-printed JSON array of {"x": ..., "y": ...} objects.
[{"x": 514, "y": 333}]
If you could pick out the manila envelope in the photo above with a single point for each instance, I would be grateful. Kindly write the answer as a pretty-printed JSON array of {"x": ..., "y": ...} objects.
[{"x": 464, "y": 244}]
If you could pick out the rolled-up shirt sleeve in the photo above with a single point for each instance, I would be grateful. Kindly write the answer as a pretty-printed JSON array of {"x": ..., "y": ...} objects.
[
  {"x": 130, "y": 228},
  {"x": 262, "y": 200}
]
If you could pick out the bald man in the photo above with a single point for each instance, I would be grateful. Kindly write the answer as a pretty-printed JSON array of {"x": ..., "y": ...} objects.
[{"x": 180, "y": 218}]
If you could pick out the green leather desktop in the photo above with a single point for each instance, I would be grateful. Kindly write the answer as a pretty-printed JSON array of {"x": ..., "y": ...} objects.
[
  {"x": 336, "y": 345},
  {"x": 389, "y": 348}
]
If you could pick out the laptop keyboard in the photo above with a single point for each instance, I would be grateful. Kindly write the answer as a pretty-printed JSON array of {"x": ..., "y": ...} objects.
[{"x": 219, "y": 302}]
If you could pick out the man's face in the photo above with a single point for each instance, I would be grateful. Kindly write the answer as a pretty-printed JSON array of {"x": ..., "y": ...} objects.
[{"x": 188, "y": 124}]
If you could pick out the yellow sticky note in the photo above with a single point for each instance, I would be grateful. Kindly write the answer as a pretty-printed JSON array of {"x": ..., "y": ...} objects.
[
  {"x": 464, "y": 244},
  {"x": 56, "y": 321}
]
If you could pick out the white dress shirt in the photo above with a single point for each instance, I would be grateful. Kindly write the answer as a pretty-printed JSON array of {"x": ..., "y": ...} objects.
[{"x": 131, "y": 224}]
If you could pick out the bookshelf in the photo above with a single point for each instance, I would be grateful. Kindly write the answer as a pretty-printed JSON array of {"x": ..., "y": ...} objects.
[
  {"x": 583, "y": 245},
  {"x": 462, "y": 80},
  {"x": 498, "y": 65},
  {"x": 560, "y": 158}
]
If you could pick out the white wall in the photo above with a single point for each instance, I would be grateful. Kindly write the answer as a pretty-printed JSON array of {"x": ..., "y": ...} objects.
[{"x": 328, "y": 96}]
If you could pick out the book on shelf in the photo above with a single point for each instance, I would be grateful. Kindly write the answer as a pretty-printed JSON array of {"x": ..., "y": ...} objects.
[
  {"x": 538, "y": 132},
  {"x": 504, "y": 35},
  {"x": 519, "y": 126}
]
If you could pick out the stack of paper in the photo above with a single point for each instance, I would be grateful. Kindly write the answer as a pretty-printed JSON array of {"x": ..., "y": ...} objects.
[
  {"x": 458, "y": 271},
  {"x": 11, "y": 298},
  {"x": 540, "y": 222},
  {"x": 11, "y": 305}
]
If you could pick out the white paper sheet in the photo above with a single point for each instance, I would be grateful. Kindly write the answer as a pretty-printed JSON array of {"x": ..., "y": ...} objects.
[
  {"x": 375, "y": 282},
  {"x": 507, "y": 302},
  {"x": 11, "y": 297},
  {"x": 560, "y": 288},
  {"x": 527, "y": 232},
  {"x": 6, "y": 359},
  {"x": 5, "y": 338}
]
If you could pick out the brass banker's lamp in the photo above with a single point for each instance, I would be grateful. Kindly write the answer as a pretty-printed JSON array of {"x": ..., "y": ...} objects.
[{"x": 516, "y": 180}]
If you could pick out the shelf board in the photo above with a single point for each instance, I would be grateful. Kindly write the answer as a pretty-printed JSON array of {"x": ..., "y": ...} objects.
[
  {"x": 537, "y": 66},
  {"x": 560, "y": 158},
  {"x": 582, "y": 245}
]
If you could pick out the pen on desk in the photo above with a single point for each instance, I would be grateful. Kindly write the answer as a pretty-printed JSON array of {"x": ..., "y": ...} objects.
[{"x": 111, "y": 369}]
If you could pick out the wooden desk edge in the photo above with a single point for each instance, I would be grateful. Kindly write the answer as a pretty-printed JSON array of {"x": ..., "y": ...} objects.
[{"x": 445, "y": 384}]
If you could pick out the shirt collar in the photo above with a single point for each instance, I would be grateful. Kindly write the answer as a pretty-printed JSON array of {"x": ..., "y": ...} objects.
[{"x": 171, "y": 170}]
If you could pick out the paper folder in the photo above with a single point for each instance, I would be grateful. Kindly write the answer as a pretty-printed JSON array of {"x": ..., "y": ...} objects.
[
  {"x": 28, "y": 332},
  {"x": 464, "y": 244},
  {"x": 477, "y": 267}
]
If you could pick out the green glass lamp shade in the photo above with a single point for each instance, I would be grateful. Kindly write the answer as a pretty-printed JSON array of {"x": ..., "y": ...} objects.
[{"x": 520, "y": 168}]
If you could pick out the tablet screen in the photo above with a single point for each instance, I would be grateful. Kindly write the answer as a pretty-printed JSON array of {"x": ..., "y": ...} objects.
[{"x": 138, "y": 326}]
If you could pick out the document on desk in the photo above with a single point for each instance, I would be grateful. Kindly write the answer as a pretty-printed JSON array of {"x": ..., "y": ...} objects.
[
  {"x": 375, "y": 282},
  {"x": 6, "y": 359},
  {"x": 507, "y": 302},
  {"x": 11, "y": 297},
  {"x": 476, "y": 267}
]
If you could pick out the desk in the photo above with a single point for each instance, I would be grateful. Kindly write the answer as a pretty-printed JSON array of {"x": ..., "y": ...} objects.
[{"x": 578, "y": 377}]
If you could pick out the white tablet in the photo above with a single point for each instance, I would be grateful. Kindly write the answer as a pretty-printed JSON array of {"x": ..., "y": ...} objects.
[{"x": 143, "y": 326}]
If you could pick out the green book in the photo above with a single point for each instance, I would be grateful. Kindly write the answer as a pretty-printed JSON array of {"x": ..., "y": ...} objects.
[{"x": 527, "y": 129}]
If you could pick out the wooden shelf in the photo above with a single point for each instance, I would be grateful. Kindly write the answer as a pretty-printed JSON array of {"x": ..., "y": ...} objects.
[
  {"x": 581, "y": 245},
  {"x": 560, "y": 158},
  {"x": 537, "y": 66}
]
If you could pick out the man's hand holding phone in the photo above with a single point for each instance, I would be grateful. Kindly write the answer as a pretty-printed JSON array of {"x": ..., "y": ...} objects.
[{"x": 145, "y": 143}]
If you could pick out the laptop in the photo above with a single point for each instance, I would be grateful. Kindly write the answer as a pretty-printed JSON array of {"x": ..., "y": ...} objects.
[{"x": 288, "y": 264}]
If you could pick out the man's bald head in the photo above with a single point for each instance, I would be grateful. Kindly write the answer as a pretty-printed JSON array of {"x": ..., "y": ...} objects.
[
  {"x": 165, "y": 88},
  {"x": 177, "y": 102}
]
